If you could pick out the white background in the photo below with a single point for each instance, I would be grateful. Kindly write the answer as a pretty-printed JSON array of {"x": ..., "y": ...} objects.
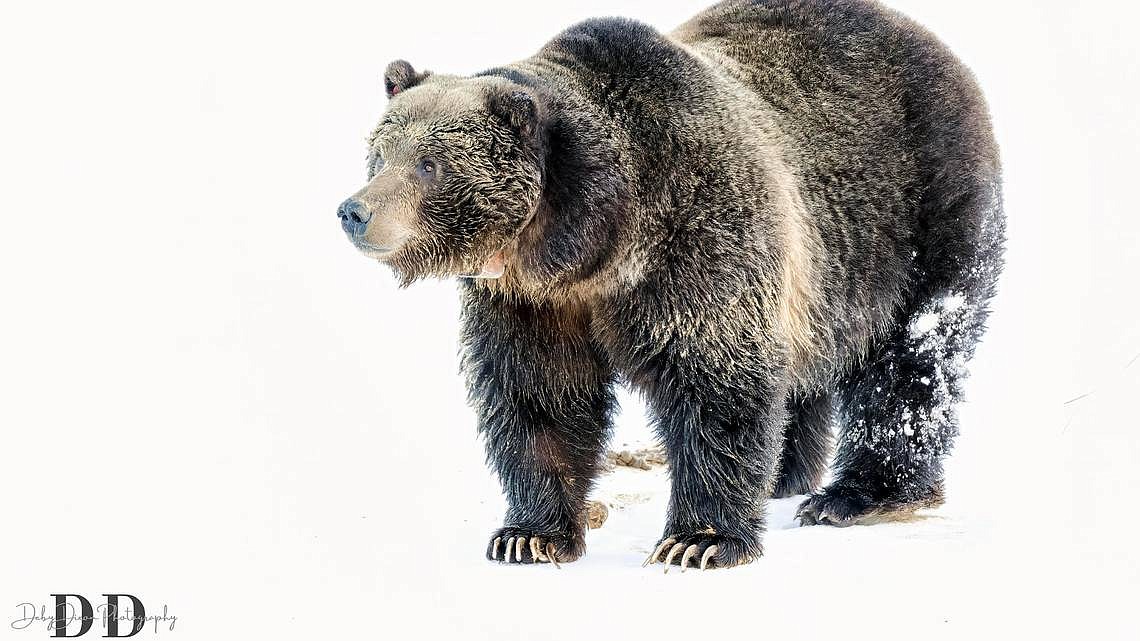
[{"x": 208, "y": 399}]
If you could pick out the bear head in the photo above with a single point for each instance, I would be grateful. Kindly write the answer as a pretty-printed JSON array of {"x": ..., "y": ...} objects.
[{"x": 455, "y": 172}]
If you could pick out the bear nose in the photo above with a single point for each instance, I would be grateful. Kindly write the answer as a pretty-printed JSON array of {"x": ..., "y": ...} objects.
[{"x": 354, "y": 216}]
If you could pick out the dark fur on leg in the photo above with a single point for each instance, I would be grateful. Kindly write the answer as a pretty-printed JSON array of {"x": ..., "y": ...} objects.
[
  {"x": 722, "y": 434},
  {"x": 898, "y": 410},
  {"x": 807, "y": 445},
  {"x": 544, "y": 399},
  {"x": 722, "y": 455},
  {"x": 898, "y": 416}
]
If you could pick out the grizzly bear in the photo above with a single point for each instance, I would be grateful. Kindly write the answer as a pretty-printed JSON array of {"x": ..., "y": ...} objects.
[{"x": 781, "y": 216}]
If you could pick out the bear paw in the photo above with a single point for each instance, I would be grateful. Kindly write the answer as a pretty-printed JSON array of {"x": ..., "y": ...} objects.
[
  {"x": 518, "y": 545},
  {"x": 704, "y": 550},
  {"x": 843, "y": 506},
  {"x": 836, "y": 506}
]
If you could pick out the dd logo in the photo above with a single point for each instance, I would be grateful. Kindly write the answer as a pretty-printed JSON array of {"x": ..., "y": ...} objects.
[{"x": 65, "y": 615}]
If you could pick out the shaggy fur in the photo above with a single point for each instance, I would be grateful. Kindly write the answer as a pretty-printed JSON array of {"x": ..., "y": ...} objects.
[{"x": 782, "y": 216}]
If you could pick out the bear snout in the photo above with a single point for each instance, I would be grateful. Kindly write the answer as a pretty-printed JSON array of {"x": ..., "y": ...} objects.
[
  {"x": 354, "y": 216},
  {"x": 372, "y": 230}
]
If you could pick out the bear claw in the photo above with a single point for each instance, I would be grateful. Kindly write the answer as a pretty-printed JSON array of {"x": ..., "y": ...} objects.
[
  {"x": 690, "y": 552},
  {"x": 689, "y": 548},
  {"x": 514, "y": 547},
  {"x": 657, "y": 552},
  {"x": 673, "y": 552}
]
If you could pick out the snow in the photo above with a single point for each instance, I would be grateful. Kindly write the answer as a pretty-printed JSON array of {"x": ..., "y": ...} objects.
[
  {"x": 953, "y": 302},
  {"x": 924, "y": 324},
  {"x": 210, "y": 401}
]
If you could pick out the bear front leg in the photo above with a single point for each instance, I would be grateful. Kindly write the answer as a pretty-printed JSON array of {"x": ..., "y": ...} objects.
[
  {"x": 722, "y": 433},
  {"x": 544, "y": 399}
]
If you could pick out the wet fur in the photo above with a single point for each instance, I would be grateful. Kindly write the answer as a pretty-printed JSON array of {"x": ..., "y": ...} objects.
[{"x": 742, "y": 219}]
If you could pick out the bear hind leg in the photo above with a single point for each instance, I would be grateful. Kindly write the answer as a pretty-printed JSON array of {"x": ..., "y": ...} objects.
[{"x": 898, "y": 418}]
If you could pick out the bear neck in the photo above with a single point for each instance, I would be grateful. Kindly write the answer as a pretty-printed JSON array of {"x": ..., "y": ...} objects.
[{"x": 573, "y": 238}]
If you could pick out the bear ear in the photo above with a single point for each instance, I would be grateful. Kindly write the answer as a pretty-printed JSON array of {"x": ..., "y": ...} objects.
[
  {"x": 518, "y": 108},
  {"x": 401, "y": 76}
]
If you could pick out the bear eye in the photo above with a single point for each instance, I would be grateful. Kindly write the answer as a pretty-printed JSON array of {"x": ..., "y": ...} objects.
[{"x": 427, "y": 168}]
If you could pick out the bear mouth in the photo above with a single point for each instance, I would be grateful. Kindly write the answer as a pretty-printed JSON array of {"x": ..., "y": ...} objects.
[{"x": 374, "y": 251}]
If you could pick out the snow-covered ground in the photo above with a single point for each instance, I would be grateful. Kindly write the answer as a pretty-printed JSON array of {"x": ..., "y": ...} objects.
[{"x": 210, "y": 401}]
